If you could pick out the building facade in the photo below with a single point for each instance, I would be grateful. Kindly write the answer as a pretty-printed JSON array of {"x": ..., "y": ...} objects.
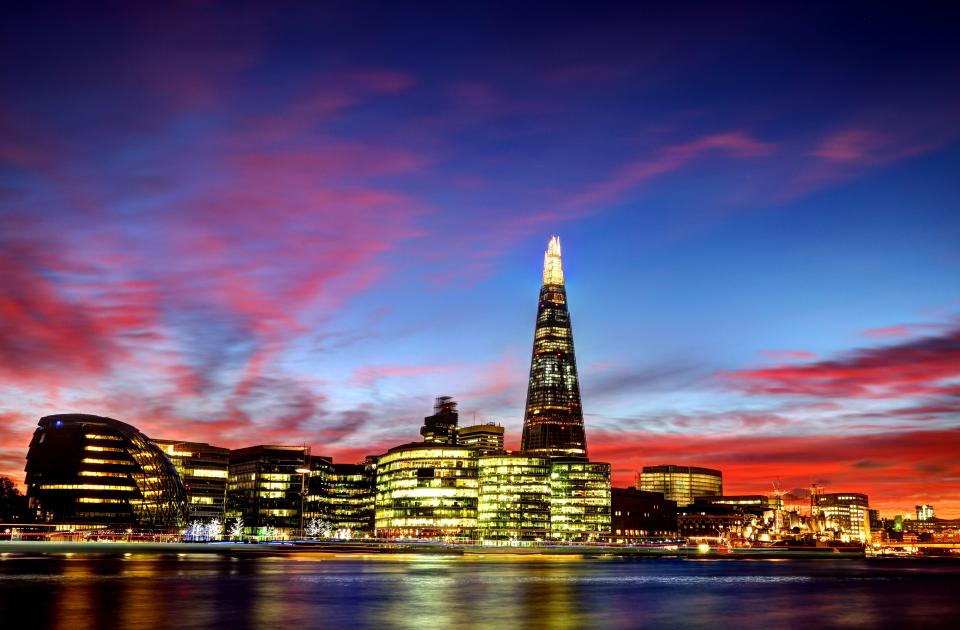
[
  {"x": 341, "y": 497},
  {"x": 266, "y": 488},
  {"x": 638, "y": 516},
  {"x": 203, "y": 469},
  {"x": 846, "y": 511},
  {"x": 553, "y": 419},
  {"x": 427, "y": 490},
  {"x": 486, "y": 438},
  {"x": 441, "y": 427},
  {"x": 682, "y": 484},
  {"x": 752, "y": 503},
  {"x": 514, "y": 498},
  {"x": 91, "y": 472},
  {"x": 579, "y": 500}
]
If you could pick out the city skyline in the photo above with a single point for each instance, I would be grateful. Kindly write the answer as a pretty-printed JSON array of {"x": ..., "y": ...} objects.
[{"x": 228, "y": 234}]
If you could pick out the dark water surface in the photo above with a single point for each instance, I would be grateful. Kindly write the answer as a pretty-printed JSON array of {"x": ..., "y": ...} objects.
[{"x": 295, "y": 592}]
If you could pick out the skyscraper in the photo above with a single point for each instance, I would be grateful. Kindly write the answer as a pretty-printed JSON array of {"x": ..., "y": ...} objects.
[{"x": 553, "y": 422}]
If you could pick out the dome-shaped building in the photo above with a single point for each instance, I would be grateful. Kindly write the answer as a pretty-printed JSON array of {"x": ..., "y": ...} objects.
[{"x": 94, "y": 472}]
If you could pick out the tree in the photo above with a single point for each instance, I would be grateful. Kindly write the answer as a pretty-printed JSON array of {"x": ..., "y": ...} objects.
[
  {"x": 13, "y": 505},
  {"x": 236, "y": 530},
  {"x": 214, "y": 529}
]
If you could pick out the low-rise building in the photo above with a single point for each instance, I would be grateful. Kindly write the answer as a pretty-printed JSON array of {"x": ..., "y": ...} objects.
[{"x": 637, "y": 515}]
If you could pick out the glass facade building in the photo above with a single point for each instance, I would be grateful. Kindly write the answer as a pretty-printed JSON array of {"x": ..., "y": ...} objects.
[
  {"x": 427, "y": 490},
  {"x": 514, "y": 501},
  {"x": 203, "y": 470},
  {"x": 553, "y": 419},
  {"x": 341, "y": 496},
  {"x": 92, "y": 472},
  {"x": 848, "y": 511},
  {"x": 266, "y": 487},
  {"x": 579, "y": 500},
  {"x": 682, "y": 484}
]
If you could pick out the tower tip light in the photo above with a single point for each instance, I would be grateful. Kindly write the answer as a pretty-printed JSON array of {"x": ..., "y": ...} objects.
[{"x": 552, "y": 264}]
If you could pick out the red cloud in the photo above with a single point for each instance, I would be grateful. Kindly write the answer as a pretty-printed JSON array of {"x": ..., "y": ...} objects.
[
  {"x": 929, "y": 365},
  {"x": 910, "y": 466}
]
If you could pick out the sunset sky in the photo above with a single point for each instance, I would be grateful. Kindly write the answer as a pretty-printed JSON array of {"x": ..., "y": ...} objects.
[{"x": 244, "y": 226}]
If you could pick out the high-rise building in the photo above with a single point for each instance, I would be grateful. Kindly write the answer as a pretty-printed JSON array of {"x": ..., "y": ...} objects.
[
  {"x": 203, "y": 470},
  {"x": 925, "y": 512},
  {"x": 682, "y": 484},
  {"x": 92, "y": 472},
  {"x": 441, "y": 427},
  {"x": 487, "y": 438},
  {"x": 553, "y": 421},
  {"x": 266, "y": 487},
  {"x": 848, "y": 511},
  {"x": 514, "y": 498}
]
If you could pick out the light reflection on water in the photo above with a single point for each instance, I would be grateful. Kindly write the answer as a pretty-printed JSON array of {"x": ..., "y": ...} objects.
[{"x": 287, "y": 593}]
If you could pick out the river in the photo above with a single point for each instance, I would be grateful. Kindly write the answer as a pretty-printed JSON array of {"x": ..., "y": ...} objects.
[{"x": 311, "y": 591}]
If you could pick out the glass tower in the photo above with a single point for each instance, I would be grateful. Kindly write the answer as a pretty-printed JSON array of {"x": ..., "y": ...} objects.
[{"x": 553, "y": 422}]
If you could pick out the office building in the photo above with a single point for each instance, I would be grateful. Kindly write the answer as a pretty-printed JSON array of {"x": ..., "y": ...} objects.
[
  {"x": 579, "y": 500},
  {"x": 266, "y": 488},
  {"x": 341, "y": 497},
  {"x": 848, "y": 512},
  {"x": 203, "y": 470},
  {"x": 681, "y": 483},
  {"x": 514, "y": 498},
  {"x": 441, "y": 427},
  {"x": 427, "y": 490},
  {"x": 486, "y": 438},
  {"x": 637, "y": 516},
  {"x": 925, "y": 512},
  {"x": 553, "y": 419},
  {"x": 91, "y": 472}
]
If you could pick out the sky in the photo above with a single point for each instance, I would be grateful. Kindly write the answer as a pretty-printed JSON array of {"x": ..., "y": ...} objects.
[{"x": 286, "y": 223}]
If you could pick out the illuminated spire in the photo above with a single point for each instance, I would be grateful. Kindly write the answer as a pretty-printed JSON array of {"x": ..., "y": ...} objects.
[
  {"x": 553, "y": 421},
  {"x": 552, "y": 264}
]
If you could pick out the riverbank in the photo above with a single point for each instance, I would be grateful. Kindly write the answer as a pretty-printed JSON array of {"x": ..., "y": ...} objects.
[{"x": 334, "y": 548}]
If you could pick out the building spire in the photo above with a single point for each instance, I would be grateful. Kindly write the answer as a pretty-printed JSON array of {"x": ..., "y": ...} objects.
[
  {"x": 553, "y": 421},
  {"x": 552, "y": 263}
]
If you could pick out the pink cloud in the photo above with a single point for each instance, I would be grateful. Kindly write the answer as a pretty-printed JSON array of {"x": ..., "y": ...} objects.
[
  {"x": 926, "y": 366},
  {"x": 736, "y": 144},
  {"x": 788, "y": 354}
]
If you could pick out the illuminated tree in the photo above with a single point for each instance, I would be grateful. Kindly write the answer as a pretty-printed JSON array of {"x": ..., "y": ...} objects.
[
  {"x": 236, "y": 530},
  {"x": 214, "y": 529}
]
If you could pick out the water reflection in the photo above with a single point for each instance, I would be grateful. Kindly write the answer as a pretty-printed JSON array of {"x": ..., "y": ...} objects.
[{"x": 90, "y": 592}]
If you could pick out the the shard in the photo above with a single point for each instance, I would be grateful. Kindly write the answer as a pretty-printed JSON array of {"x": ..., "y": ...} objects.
[{"x": 553, "y": 421}]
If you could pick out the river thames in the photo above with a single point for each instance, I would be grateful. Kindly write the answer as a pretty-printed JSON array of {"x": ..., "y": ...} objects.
[{"x": 310, "y": 591}]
